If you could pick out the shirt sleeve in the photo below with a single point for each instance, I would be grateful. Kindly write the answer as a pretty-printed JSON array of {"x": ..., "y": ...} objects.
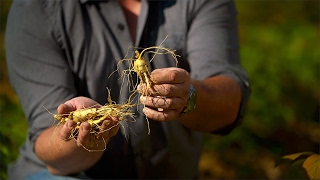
[
  {"x": 37, "y": 66},
  {"x": 213, "y": 47}
]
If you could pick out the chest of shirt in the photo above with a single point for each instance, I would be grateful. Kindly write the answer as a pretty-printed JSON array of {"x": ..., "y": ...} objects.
[{"x": 97, "y": 37}]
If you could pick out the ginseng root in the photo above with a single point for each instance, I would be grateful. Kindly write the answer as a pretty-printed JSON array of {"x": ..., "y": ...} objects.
[
  {"x": 140, "y": 66},
  {"x": 95, "y": 117}
]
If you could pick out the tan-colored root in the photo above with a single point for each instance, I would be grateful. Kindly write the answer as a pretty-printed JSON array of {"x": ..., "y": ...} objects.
[
  {"x": 95, "y": 117},
  {"x": 140, "y": 66},
  {"x": 126, "y": 74}
]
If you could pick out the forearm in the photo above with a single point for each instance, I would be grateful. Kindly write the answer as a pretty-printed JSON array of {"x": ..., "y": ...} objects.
[
  {"x": 218, "y": 102},
  {"x": 63, "y": 157}
]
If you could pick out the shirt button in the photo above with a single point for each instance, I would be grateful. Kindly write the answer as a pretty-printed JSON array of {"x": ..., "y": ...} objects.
[{"x": 120, "y": 26}]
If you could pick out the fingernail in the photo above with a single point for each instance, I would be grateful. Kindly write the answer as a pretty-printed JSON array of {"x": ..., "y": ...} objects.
[
  {"x": 143, "y": 99},
  {"x": 107, "y": 122},
  {"x": 139, "y": 88},
  {"x": 70, "y": 125},
  {"x": 145, "y": 111},
  {"x": 85, "y": 128}
]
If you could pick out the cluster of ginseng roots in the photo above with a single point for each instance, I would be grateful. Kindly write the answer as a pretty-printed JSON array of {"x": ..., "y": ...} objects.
[{"x": 95, "y": 116}]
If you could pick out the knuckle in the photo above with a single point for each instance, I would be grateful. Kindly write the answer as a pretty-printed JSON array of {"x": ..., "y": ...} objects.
[
  {"x": 163, "y": 89},
  {"x": 167, "y": 90},
  {"x": 186, "y": 92},
  {"x": 80, "y": 141},
  {"x": 178, "y": 74},
  {"x": 172, "y": 75},
  {"x": 185, "y": 101},
  {"x": 65, "y": 138},
  {"x": 167, "y": 103},
  {"x": 162, "y": 117},
  {"x": 186, "y": 73}
]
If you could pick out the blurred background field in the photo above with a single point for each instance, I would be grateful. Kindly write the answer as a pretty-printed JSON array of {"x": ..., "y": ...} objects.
[{"x": 280, "y": 47}]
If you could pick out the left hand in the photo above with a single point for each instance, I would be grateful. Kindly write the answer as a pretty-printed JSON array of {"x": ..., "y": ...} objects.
[
  {"x": 169, "y": 94},
  {"x": 108, "y": 128}
]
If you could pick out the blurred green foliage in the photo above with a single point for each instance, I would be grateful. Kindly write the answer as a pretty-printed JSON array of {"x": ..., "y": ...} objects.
[
  {"x": 280, "y": 51},
  {"x": 280, "y": 46},
  {"x": 12, "y": 132},
  {"x": 13, "y": 126}
]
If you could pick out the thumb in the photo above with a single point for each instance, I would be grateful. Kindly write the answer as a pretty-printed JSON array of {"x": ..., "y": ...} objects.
[{"x": 64, "y": 108}]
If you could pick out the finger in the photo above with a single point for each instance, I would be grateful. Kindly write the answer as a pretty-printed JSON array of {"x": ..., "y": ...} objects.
[
  {"x": 81, "y": 102},
  {"x": 104, "y": 129},
  {"x": 84, "y": 134},
  {"x": 105, "y": 126},
  {"x": 170, "y": 75},
  {"x": 167, "y": 90},
  {"x": 66, "y": 130},
  {"x": 64, "y": 109},
  {"x": 108, "y": 128},
  {"x": 162, "y": 116},
  {"x": 163, "y": 102},
  {"x": 115, "y": 127}
]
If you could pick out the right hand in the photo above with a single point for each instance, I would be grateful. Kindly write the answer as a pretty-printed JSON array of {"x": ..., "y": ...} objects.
[{"x": 84, "y": 138}]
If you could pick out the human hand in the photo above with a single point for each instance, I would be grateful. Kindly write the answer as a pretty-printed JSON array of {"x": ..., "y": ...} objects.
[
  {"x": 109, "y": 126},
  {"x": 169, "y": 94}
]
